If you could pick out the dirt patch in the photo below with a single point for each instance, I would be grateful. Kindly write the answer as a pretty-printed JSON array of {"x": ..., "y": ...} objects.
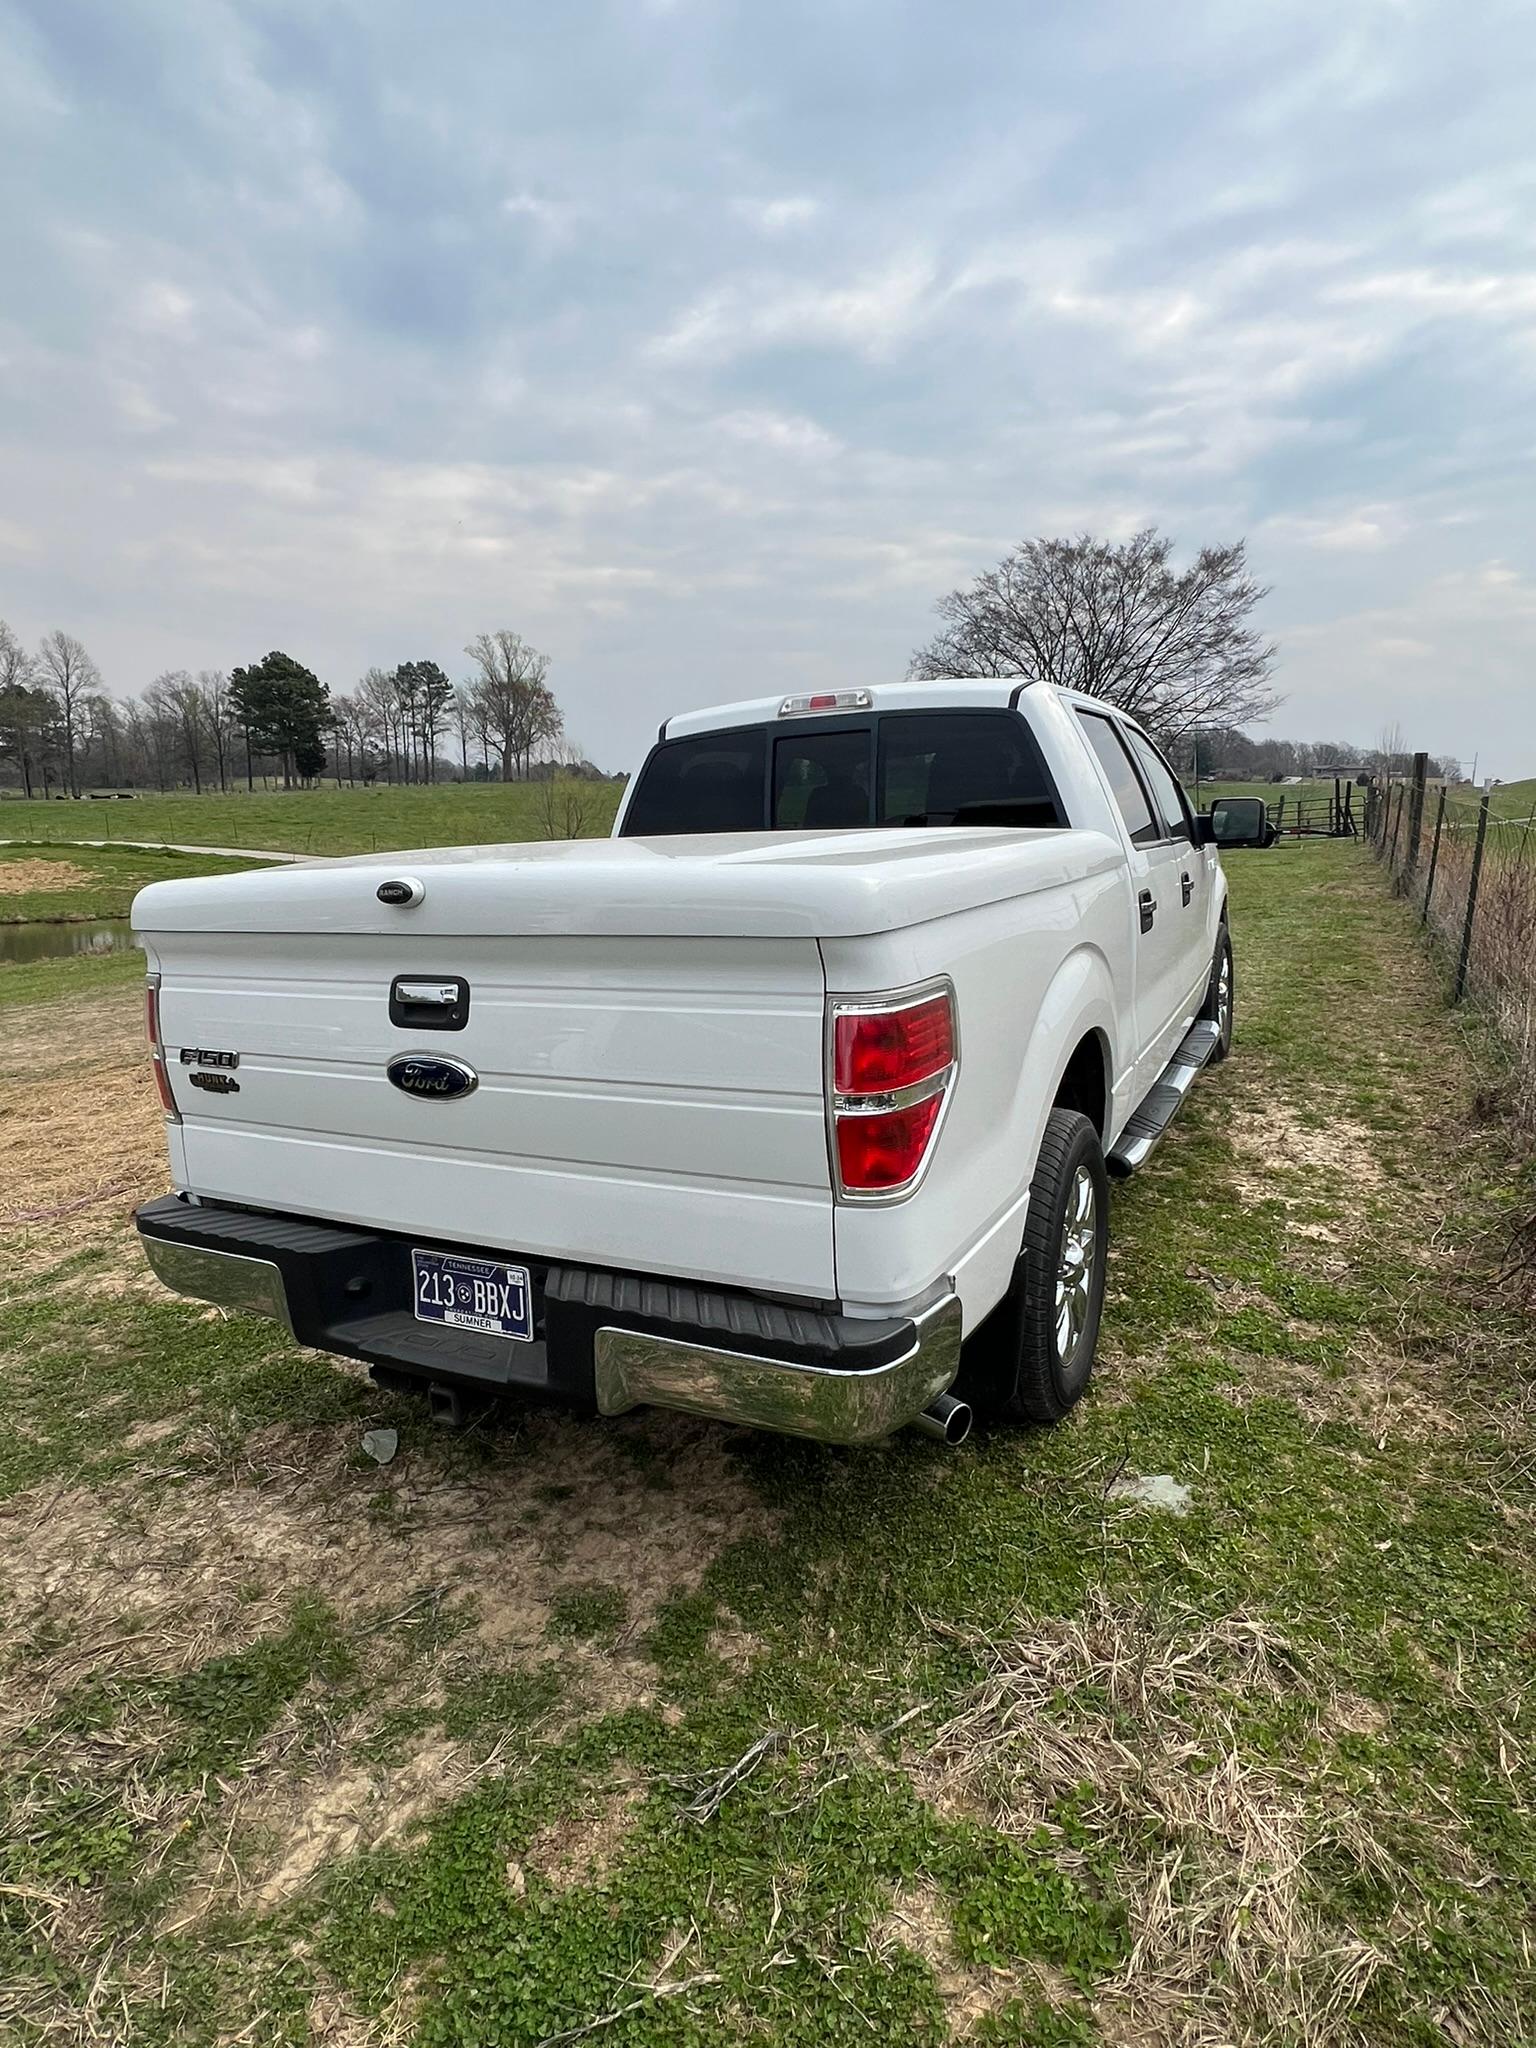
[
  {"x": 1337, "y": 1158},
  {"x": 82, "y": 1139},
  {"x": 24, "y": 877},
  {"x": 971, "y": 1992},
  {"x": 581, "y": 1847},
  {"x": 355, "y": 1809},
  {"x": 1388, "y": 1397},
  {"x": 290, "y": 1517}
]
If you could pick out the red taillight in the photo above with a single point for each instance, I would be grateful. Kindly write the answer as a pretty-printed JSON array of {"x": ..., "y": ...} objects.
[
  {"x": 883, "y": 1151},
  {"x": 892, "y": 1063},
  {"x": 878, "y": 1051},
  {"x": 157, "y": 1048}
]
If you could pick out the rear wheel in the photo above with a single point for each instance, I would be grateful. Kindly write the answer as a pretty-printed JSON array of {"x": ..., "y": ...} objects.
[
  {"x": 1032, "y": 1358},
  {"x": 1220, "y": 996}
]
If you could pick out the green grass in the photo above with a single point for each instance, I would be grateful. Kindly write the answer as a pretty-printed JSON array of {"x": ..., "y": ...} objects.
[
  {"x": 1513, "y": 799},
  {"x": 94, "y": 882},
  {"x": 325, "y": 820},
  {"x": 567, "y": 1701},
  {"x": 40, "y": 981}
]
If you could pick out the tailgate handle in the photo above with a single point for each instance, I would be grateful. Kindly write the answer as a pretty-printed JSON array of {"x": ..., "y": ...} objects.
[
  {"x": 429, "y": 1002},
  {"x": 444, "y": 994}
]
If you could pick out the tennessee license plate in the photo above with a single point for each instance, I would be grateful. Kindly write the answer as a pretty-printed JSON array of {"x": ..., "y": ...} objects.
[{"x": 473, "y": 1294}]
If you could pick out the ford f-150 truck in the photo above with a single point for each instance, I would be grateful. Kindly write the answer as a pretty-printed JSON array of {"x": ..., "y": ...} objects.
[{"x": 793, "y": 1103}]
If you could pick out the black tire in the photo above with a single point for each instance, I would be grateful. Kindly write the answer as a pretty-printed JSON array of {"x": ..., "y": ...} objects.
[
  {"x": 1215, "y": 1009},
  {"x": 1014, "y": 1367}
]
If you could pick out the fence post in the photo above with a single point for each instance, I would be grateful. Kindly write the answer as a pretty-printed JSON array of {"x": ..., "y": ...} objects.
[
  {"x": 1415, "y": 817},
  {"x": 1397, "y": 821},
  {"x": 1466, "y": 931},
  {"x": 1434, "y": 855}
]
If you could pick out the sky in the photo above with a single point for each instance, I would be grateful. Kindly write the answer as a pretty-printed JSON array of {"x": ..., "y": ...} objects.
[{"x": 707, "y": 344}]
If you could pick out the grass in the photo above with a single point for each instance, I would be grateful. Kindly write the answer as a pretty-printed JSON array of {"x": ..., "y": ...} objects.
[
  {"x": 322, "y": 821},
  {"x": 71, "y": 884},
  {"x": 698, "y": 1737}
]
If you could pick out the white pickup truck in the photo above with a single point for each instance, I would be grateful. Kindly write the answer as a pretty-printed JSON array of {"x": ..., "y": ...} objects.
[{"x": 791, "y": 1104}]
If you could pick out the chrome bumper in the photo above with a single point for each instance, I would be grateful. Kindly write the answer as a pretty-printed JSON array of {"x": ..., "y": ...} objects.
[
  {"x": 228, "y": 1279},
  {"x": 831, "y": 1404},
  {"x": 841, "y": 1398}
]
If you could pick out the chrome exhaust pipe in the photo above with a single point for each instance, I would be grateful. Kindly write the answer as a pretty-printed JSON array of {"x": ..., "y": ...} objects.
[{"x": 946, "y": 1419}]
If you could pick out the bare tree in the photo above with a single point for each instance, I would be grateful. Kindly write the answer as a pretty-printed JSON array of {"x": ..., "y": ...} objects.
[
  {"x": 1176, "y": 649},
  {"x": 24, "y": 709},
  {"x": 69, "y": 673},
  {"x": 517, "y": 705},
  {"x": 218, "y": 719},
  {"x": 568, "y": 799},
  {"x": 179, "y": 702}
]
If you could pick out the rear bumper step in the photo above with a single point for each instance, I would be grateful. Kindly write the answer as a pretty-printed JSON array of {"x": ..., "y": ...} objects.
[
  {"x": 610, "y": 1341},
  {"x": 1164, "y": 1099}
]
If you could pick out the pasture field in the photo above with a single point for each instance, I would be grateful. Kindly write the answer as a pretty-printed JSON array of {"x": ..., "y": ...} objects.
[
  {"x": 324, "y": 820},
  {"x": 69, "y": 884},
  {"x": 661, "y": 1735}
]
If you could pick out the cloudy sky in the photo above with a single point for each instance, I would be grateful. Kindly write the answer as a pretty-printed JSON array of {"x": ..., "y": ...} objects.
[{"x": 707, "y": 343}]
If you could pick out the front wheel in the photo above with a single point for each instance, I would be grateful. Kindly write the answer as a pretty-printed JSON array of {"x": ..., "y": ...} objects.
[{"x": 1032, "y": 1358}]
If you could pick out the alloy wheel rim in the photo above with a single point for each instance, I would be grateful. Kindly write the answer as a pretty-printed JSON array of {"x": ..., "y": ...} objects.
[
  {"x": 1224, "y": 992},
  {"x": 1078, "y": 1264}
]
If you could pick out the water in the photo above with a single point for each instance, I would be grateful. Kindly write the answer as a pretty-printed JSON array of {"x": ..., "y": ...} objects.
[{"x": 20, "y": 943}]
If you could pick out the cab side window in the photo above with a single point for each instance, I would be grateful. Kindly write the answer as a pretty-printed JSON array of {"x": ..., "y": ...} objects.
[
  {"x": 1103, "y": 735},
  {"x": 1169, "y": 797}
]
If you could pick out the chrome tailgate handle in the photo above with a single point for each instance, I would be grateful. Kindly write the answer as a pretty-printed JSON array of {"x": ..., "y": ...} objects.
[
  {"x": 438, "y": 994},
  {"x": 429, "y": 1002}
]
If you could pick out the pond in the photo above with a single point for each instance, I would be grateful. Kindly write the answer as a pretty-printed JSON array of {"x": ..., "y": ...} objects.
[{"x": 20, "y": 943}]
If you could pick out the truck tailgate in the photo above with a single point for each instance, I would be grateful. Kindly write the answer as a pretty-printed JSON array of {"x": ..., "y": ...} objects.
[{"x": 649, "y": 1103}]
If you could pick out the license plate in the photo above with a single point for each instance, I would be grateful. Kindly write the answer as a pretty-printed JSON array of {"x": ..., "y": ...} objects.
[{"x": 473, "y": 1294}]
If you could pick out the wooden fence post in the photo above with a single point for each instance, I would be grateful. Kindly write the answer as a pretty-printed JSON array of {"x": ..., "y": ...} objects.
[
  {"x": 1396, "y": 827},
  {"x": 1434, "y": 855},
  {"x": 1466, "y": 931}
]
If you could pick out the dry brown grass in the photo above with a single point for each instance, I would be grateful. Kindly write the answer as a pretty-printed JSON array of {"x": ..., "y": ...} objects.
[
  {"x": 82, "y": 1141},
  {"x": 1225, "y": 1946},
  {"x": 28, "y": 877}
]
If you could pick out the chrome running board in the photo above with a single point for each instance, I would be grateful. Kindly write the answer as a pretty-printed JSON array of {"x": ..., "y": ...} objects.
[{"x": 1163, "y": 1100}]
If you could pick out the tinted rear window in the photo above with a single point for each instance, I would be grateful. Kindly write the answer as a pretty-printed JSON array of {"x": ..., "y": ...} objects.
[
  {"x": 962, "y": 768},
  {"x": 710, "y": 784},
  {"x": 931, "y": 768}
]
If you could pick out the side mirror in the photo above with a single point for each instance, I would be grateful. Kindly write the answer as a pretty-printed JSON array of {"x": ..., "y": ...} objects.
[{"x": 1238, "y": 821}]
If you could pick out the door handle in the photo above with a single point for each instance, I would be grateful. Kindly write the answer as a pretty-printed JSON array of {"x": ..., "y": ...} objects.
[
  {"x": 1146, "y": 904},
  {"x": 1186, "y": 882}
]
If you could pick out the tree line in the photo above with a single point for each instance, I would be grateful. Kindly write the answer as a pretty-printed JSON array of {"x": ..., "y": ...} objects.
[{"x": 62, "y": 731}]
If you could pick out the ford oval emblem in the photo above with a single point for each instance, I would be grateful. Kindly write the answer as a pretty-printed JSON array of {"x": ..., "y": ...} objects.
[{"x": 430, "y": 1075}]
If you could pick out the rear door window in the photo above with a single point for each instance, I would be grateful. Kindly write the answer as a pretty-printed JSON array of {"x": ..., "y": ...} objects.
[
  {"x": 962, "y": 768},
  {"x": 1171, "y": 800},
  {"x": 710, "y": 784},
  {"x": 1103, "y": 736},
  {"x": 821, "y": 780}
]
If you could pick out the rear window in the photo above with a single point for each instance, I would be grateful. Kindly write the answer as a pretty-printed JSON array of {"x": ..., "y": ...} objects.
[
  {"x": 962, "y": 768},
  {"x": 710, "y": 784},
  {"x": 821, "y": 781},
  {"x": 927, "y": 767}
]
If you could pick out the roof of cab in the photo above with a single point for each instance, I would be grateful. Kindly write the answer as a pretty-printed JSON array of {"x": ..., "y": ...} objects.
[{"x": 979, "y": 691}]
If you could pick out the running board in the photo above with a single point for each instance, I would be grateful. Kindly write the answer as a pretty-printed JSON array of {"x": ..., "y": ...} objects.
[{"x": 1163, "y": 1100}]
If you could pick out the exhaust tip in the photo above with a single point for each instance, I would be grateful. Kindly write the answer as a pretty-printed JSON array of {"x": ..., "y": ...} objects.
[{"x": 947, "y": 1420}]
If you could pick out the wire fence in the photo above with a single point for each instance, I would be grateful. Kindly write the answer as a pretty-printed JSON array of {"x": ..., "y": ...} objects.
[{"x": 1471, "y": 875}]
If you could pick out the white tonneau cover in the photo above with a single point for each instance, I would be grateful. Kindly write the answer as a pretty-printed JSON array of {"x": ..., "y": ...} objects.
[{"x": 736, "y": 885}]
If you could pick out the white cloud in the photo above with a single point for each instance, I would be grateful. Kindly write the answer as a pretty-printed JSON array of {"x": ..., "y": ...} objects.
[
  {"x": 869, "y": 315},
  {"x": 779, "y": 216}
]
